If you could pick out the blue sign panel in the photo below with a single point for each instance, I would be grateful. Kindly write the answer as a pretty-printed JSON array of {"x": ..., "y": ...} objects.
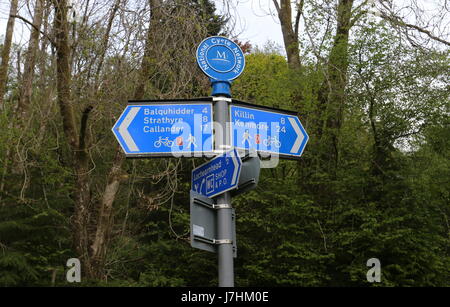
[
  {"x": 220, "y": 58},
  {"x": 267, "y": 131},
  {"x": 217, "y": 176},
  {"x": 165, "y": 129}
]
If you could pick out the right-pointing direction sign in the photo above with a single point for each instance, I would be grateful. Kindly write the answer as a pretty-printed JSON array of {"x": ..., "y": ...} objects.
[
  {"x": 218, "y": 175},
  {"x": 267, "y": 131}
]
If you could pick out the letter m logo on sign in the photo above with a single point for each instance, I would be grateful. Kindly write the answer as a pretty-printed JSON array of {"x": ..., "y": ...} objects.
[{"x": 221, "y": 55}]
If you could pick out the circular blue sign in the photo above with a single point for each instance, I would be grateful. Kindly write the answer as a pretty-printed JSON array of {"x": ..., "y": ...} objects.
[{"x": 220, "y": 58}]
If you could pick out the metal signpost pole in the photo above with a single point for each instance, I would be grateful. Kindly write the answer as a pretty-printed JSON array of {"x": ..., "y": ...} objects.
[
  {"x": 225, "y": 248},
  {"x": 223, "y": 201},
  {"x": 222, "y": 60}
]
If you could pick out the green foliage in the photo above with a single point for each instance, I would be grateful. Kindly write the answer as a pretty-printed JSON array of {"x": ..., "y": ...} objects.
[
  {"x": 280, "y": 237},
  {"x": 266, "y": 80},
  {"x": 34, "y": 243}
]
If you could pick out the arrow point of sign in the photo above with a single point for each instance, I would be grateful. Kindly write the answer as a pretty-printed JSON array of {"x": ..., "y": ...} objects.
[
  {"x": 300, "y": 135},
  {"x": 237, "y": 166},
  {"x": 123, "y": 129}
]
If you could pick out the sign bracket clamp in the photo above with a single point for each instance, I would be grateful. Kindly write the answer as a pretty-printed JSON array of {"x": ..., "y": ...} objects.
[
  {"x": 221, "y": 98},
  {"x": 213, "y": 241},
  {"x": 223, "y": 241},
  {"x": 203, "y": 203},
  {"x": 222, "y": 206},
  {"x": 218, "y": 206}
]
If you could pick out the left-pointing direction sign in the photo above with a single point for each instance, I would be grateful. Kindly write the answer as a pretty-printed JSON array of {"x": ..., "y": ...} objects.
[
  {"x": 218, "y": 175},
  {"x": 165, "y": 129}
]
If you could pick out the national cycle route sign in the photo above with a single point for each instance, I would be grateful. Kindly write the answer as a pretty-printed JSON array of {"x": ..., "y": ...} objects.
[{"x": 220, "y": 58}]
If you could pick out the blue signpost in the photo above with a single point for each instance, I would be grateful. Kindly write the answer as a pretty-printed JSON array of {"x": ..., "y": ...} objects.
[
  {"x": 165, "y": 129},
  {"x": 218, "y": 175},
  {"x": 267, "y": 131}
]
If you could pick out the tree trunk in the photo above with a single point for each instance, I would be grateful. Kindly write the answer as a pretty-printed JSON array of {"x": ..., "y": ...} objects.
[
  {"x": 290, "y": 32},
  {"x": 338, "y": 64},
  {"x": 7, "y": 49},
  {"x": 4, "y": 79},
  {"x": 47, "y": 87},
  {"x": 30, "y": 61},
  {"x": 83, "y": 196},
  {"x": 63, "y": 73},
  {"x": 77, "y": 144},
  {"x": 155, "y": 9},
  {"x": 105, "y": 41},
  {"x": 104, "y": 224},
  {"x": 332, "y": 94}
]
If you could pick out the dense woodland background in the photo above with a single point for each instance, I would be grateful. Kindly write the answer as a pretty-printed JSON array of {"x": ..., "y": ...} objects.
[{"x": 369, "y": 79}]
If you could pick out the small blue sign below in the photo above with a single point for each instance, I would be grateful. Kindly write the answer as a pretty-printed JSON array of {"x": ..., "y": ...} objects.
[
  {"x": 218, "y": 175},
  {"x": 165, "y": 129},
  {"x": 267, "y": 131},
  {"x": 220, "y": 58}
]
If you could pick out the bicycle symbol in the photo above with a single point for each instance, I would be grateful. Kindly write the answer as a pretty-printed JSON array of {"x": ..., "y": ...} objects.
[
  {"x": 163, "y": 141},
  {"x": 272, "y": 141}
]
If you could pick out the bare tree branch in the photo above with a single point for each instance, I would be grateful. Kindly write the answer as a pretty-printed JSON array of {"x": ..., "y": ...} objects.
[
  {"x": 399, "y": 22},
  {"x": 395, "y": 20},
  {"x": 277, "y": 6},
  {"x": 297, "y": 17},
  {"x": 36, "y": 28}
]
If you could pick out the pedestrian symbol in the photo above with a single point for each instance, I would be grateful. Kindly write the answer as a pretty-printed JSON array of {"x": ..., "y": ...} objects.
[
  {"x": 191, "y": 140},
  {"x": 246, "y": 137}
]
